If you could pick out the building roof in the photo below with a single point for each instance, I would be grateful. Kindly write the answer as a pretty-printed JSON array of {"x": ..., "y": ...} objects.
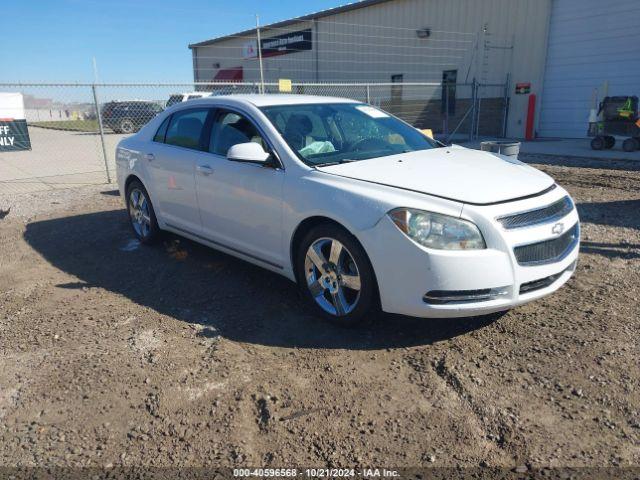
[{"x": 312, "y": 16}]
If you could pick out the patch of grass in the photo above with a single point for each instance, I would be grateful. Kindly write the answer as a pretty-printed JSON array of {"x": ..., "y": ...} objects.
[{"x": 70, "y": 125}]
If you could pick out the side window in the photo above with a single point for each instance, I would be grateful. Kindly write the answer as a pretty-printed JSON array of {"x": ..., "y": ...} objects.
[
  {"x": 229, "y": 129},
  {"x": 162, "y": 131},
  {"x": 185, "y": 128}
]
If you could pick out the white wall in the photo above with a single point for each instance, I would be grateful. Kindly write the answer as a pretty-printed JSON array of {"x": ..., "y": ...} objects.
[{"x": 11, "y": 105}]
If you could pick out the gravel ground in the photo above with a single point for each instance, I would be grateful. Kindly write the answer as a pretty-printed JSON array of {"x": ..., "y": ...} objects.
[{"x": 176, "y": 355}]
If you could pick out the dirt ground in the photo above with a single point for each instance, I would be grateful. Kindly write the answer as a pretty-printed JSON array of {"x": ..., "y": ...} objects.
[{"x": 177, "y": 355}]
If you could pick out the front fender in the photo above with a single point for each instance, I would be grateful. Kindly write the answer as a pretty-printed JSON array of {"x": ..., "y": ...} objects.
[{"x": 356, "y": 205}]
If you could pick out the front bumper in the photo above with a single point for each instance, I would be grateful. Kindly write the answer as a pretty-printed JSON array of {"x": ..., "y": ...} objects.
[{"x": 421, "y": 282}]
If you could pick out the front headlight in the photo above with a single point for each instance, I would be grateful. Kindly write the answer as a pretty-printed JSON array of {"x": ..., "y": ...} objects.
[{"x": 435, "y": 230}]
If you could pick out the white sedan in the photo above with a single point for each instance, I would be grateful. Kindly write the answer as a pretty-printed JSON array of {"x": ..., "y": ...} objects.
[{"x": 359, "y": 208}]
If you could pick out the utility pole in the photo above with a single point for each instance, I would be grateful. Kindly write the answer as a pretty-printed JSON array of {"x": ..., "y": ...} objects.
[
  {"x": 95, "y": 70},
  {"x": 260, "y": 54}
]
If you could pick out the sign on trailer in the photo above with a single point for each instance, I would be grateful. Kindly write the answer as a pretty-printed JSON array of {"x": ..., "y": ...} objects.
[{"x": 14, "y": 135}]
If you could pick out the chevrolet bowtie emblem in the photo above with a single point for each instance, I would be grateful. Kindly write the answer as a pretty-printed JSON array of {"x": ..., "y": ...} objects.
[{"x": 558, "y": 228}]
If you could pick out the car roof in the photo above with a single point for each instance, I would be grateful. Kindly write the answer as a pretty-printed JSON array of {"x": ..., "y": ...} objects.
[
  {"x": 131, "y": 101},
  {"x": 190, "y": 93},
  {"x": 265, "y": 100}
]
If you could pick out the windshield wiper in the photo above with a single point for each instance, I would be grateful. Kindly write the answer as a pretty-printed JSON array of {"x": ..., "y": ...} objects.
[{"x": 338, "y": 162}]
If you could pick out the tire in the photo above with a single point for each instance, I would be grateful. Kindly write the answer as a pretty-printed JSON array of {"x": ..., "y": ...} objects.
[
  {"x": 340, "y": 288},
  {"x": 142, "y": 216},
  {"x": 126, "y": 126},
  {"x": 598, "y": 143},
  {"x": 609, "y": 142},
  {"x": 630, "y": 145},
  {"x": 112, "y": 126}
]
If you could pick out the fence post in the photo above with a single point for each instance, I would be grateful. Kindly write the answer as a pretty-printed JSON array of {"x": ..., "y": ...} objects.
[
  {"x": 99, "y": 116},
  {"x": 472, "y": 125},
  {"x": 505, "y": 105},
  {"x": 478, "y": 104},
  {"x": 445, "y": 85},
  {"x": 260, "y": 54},
  {"x": 368, "y": 94}
]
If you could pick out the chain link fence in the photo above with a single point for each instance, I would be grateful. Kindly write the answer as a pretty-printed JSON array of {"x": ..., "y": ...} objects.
[{"x": 74, "y": 128}]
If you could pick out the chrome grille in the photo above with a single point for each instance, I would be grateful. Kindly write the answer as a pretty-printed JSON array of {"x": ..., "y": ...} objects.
[
  {"x": 546, "y": 214},
  {"x": 549, "y": 251}
]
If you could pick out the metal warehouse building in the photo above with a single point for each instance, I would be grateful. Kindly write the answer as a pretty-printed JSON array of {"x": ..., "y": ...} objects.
[{"x": 562, "y": 51}]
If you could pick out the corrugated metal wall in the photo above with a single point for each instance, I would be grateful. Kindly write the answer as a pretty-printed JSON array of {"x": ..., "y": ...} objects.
[
  {"x": 485, "y": 39},
  {"x": 590, "y": 42}
]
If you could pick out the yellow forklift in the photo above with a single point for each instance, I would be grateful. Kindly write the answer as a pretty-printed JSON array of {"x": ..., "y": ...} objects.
[{"x": 618, "y": 120}]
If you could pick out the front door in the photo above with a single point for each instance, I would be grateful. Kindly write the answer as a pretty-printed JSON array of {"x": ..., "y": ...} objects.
[
  {"x": 240, "y": 203},
  {"x": 174, "y": 154}
]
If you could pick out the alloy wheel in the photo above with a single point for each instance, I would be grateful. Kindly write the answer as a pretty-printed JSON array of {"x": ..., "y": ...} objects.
[
  {"x": 139, "y": 212},
  {"x": 332, "y": 276},
  {"x": 126, "y": 126}
]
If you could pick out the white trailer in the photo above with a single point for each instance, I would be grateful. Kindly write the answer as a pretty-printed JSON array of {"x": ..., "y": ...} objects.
[{"x": 11, "y": 106}]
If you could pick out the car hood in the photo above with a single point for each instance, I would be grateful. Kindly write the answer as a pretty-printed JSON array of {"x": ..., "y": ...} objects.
[{"x": 456, "y": 173}]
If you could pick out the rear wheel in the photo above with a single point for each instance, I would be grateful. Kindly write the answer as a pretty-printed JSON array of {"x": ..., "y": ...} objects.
[
  {"x": 336, "y": 276},
  {"x": 141, "y": 214},
  {"x": 127, "y": 126}
]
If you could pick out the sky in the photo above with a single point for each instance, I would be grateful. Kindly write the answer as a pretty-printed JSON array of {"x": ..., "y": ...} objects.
[{"x": 132, "y": 41}]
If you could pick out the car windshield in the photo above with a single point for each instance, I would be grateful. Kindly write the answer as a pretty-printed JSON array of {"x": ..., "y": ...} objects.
[{"x": 331, "y": 133}]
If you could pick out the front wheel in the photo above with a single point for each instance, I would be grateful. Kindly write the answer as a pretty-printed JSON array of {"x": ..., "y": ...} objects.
[
  {"x": 141, "y": 214},
  {"x": 336, "y": 276}
]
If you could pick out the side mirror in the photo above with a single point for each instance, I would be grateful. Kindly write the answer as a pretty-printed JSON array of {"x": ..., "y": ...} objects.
[{"x": 248, "y": 152}]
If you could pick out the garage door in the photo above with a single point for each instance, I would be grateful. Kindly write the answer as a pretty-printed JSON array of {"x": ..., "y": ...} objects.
[{"x": 590, "y": 42}]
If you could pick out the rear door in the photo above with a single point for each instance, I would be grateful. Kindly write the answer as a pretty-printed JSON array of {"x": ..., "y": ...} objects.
[{"x": 172, "y": 159}]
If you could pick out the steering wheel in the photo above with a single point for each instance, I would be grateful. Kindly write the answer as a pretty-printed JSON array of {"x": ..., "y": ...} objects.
[{"x": 370, "y": 143}]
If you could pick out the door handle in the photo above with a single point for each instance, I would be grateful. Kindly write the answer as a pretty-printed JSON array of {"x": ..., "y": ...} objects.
[
  {"x": 204, "y": 169},
  {"x": 150, "y": 157}
]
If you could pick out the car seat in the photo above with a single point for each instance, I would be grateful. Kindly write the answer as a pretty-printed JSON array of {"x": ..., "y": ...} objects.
[{"x": 296, "y": 130}]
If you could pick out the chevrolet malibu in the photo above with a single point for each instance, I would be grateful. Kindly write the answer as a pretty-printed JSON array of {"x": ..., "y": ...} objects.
[{"x": 362, "y": 210}]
